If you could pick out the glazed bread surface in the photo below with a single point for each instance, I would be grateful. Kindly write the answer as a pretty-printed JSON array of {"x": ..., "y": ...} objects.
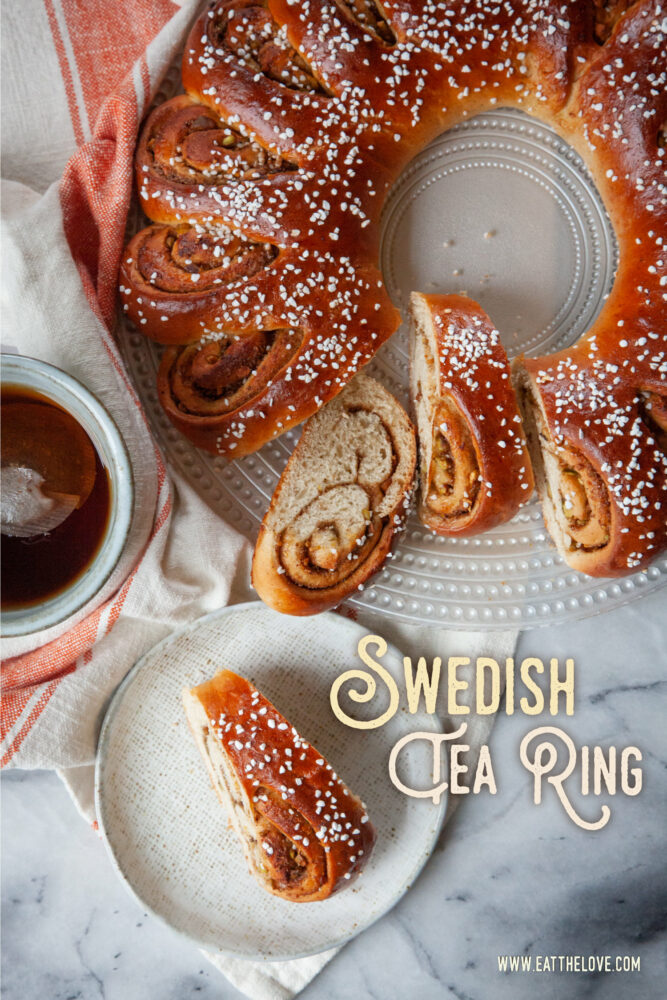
[
  {"x": 277, "y": 790},
  {"x": 266, "y": 182},
  {"x": 474, "y": 467}
]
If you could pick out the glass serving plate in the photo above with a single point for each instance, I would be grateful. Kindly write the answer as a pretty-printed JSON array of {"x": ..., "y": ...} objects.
[{"x": 502, "y": 208}]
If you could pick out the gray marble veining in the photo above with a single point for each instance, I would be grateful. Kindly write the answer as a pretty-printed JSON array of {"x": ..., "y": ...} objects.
[{"x": 508, "y": 877}]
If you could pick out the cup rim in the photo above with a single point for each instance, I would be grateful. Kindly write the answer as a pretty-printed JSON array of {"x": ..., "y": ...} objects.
[{"x": 67, "y": 391}]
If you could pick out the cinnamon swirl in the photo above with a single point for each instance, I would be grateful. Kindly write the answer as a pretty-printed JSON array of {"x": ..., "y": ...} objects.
[
  {"x": 339, "y": 502},
  {"x": 474, "y": 466},
  {"x": 277, "y": 789}
]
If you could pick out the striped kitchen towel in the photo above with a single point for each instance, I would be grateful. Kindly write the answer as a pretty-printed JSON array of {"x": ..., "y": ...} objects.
[{"x": 78, "y": 80}]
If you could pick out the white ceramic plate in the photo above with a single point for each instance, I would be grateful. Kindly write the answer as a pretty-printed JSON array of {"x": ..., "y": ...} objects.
[
  {"x": 502, "y": 208},
  {"x": 165, "y": 829}
]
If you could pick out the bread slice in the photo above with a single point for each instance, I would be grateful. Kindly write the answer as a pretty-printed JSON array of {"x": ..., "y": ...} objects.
[
  {"x": 474, "y": 467},
  {"x": 339, "y": 502},
  {"x": 278, "y": 791},
  {"x": 575, "y": 500}
]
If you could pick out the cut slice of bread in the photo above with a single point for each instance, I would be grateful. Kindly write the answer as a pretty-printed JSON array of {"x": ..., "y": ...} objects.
[
  {"x": 575, "y": 500},
  {"x": 273, "y": 784},
  {"x": 339, "y": 502},
  {"x": 474, "y": 467}
]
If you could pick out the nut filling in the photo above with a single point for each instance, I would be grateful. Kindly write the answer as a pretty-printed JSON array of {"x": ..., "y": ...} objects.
[
  {"x": 607, "y": 15},
  {"x": 576, "y": 501},
  {"x": 453, "y": 480},
  {"x": 249, "y": 32},
  {"x": 192, "y": 259},
  {"x": 288, "y": 862},
  {"x": 218, "y": 376},
  {"x": 367, "y": 13},
  {"x": 187, "y": 143}
]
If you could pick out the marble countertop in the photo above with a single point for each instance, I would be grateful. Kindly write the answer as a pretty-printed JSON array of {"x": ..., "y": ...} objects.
[{"x": 508, "y": 877}]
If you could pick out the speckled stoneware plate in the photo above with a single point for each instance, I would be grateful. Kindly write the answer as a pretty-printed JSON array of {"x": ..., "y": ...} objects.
[
  {"x": 502, "y": 208},
  {"x": 161, "y": 820}
]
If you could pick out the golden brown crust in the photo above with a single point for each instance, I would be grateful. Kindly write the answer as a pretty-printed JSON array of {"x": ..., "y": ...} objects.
[
  {"x": 302, "y": 381},
  {"x": 190, "y": 164},
  {"x": 594, "y": 395},
  {"x": 310, "y": 848},
  {"x": 172, "y": 274},
  {"x": 597, "y": 423},
  {"x": 205, "y": 388},
  {"x": 282, "y": 593},
  {"x": 338, "y": 97},
  {"x": 476, "y": 470}
]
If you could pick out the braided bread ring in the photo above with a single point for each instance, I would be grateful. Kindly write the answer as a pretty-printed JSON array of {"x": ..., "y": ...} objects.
[{"x": 337, "y": 96}]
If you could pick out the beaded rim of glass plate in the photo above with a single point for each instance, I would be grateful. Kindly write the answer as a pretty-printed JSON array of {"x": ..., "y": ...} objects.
[{"x": 512, "y": 575}]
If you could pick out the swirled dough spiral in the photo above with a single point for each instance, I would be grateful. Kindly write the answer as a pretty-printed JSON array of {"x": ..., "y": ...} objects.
[
  {"x": 475, "y": 470},
  {"x": 274, "y": 785},
  {"x": 339, "y": 502}
]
